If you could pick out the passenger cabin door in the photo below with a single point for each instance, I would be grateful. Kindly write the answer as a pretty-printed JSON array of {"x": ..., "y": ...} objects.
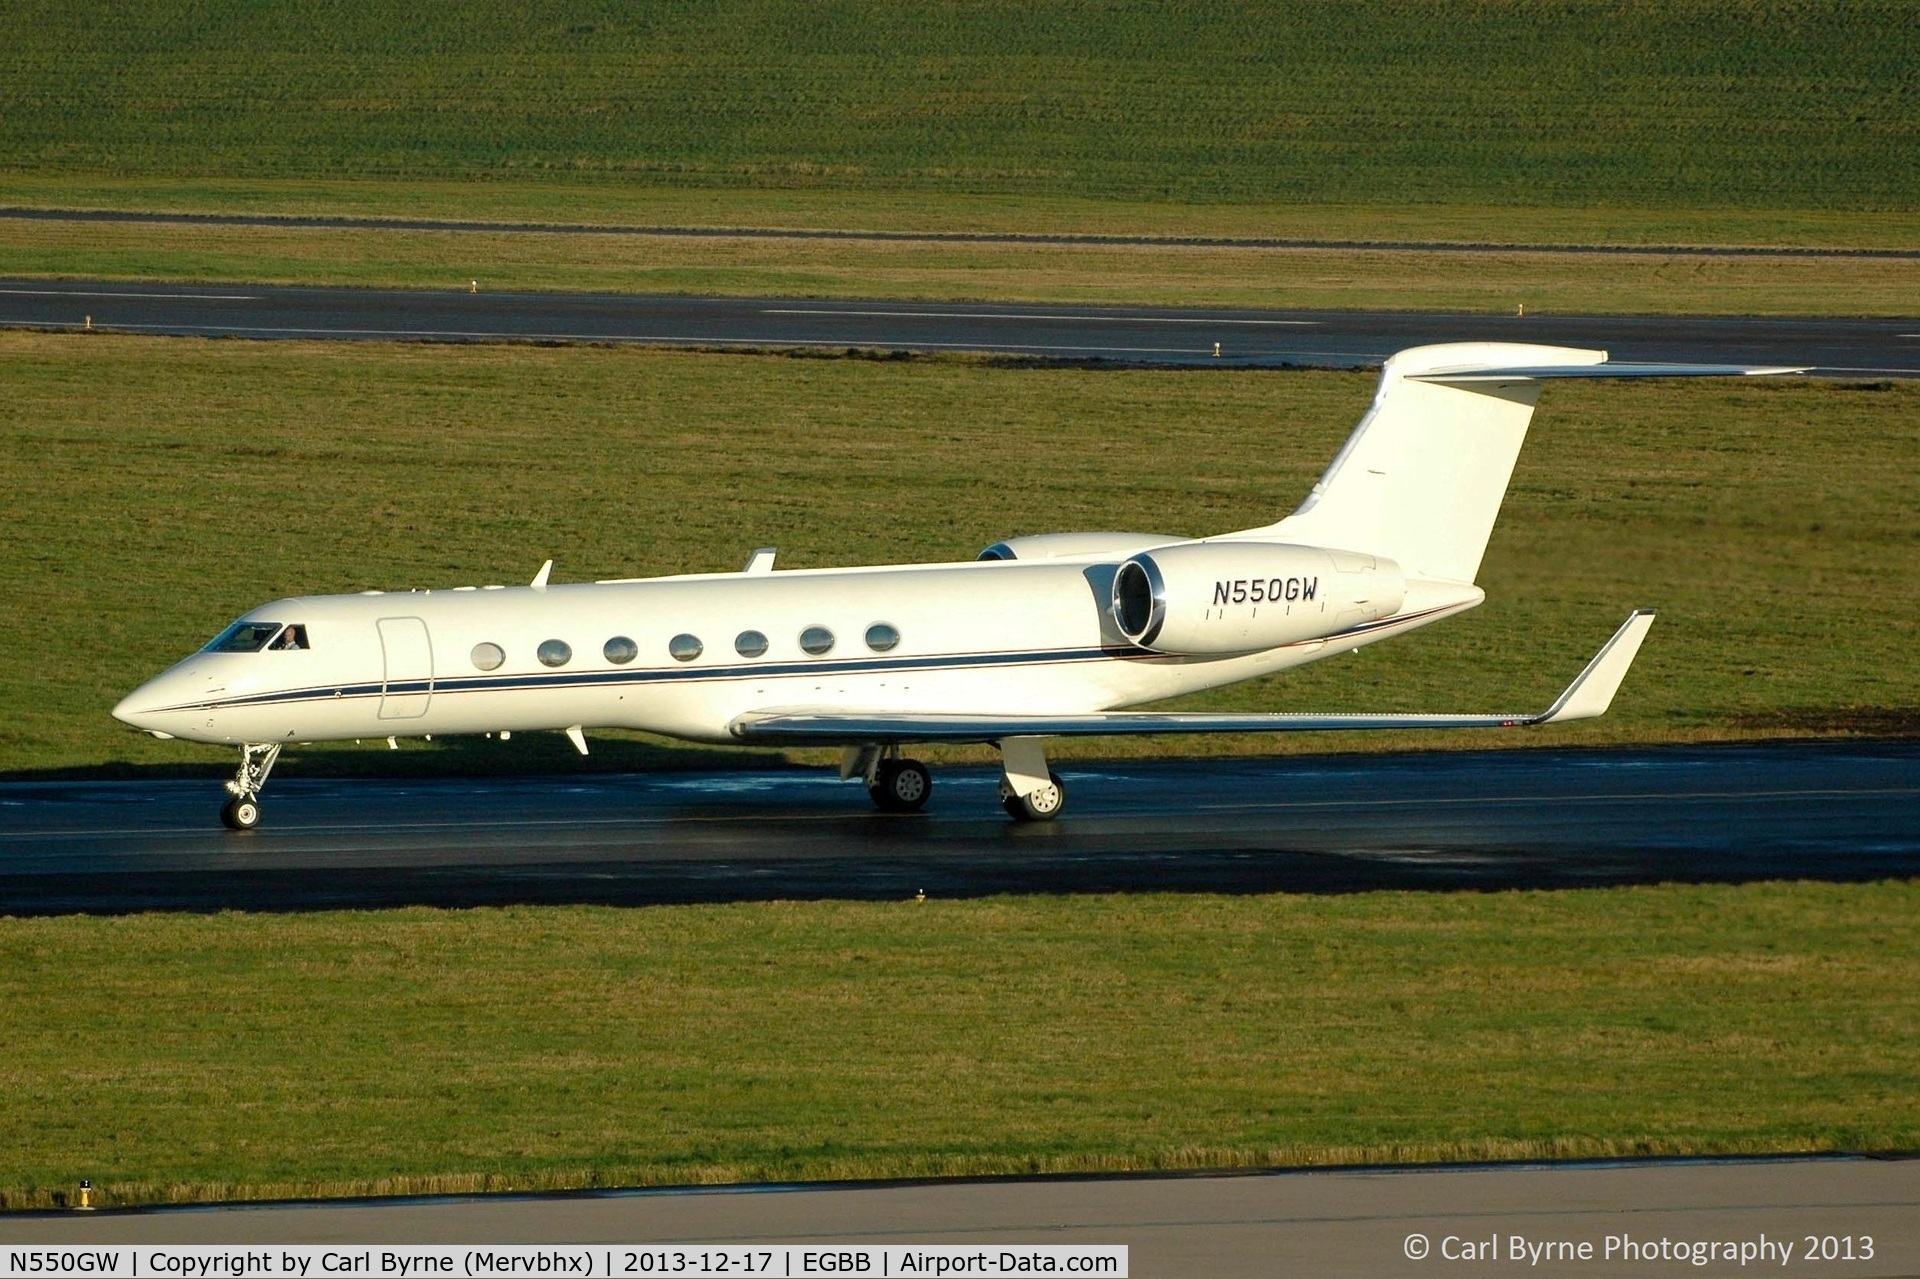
[{"x": 409, "y": 668}]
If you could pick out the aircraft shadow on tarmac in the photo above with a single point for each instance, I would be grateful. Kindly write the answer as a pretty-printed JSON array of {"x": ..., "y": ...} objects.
[{"x": 1442, "y": 821}]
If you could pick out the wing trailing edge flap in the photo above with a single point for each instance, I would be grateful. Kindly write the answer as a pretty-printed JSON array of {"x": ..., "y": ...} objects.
[{"x": 1590, "y": 694}]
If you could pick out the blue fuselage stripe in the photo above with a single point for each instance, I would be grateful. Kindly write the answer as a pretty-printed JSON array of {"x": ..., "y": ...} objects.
[
  {"x": 658, "y": 675},
  {"x": 818, "y": 668}
]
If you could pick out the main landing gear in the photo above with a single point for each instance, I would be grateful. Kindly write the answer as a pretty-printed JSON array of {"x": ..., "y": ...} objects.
[
  {"x": 242, "y": 812},
  {"x": 895, "y": 784},
  {"x": 1042, "y": 805},
  {"x": 898, "y": 785},
  {"x": 1029, "y": 790}
]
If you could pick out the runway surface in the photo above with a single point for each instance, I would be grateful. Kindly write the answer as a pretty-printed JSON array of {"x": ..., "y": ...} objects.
[
  {"x": 1323, "y": 1224},
  {"x": 1320, "y": 339},
  {"x": 1432, "y": 821}
]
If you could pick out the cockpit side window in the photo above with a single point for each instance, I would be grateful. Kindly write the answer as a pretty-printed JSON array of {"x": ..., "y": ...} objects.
[
  {"x": 245, "y": 637},
  {"x": 252, "y": 637}
]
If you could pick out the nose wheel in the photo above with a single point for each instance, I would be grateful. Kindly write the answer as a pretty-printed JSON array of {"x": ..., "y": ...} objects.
[
  {"x": 900, "y": 786},
  {"x": 242, "y": 812}
]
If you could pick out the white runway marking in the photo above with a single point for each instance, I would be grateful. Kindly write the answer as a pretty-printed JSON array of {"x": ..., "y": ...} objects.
[
  {"x": 1018, "y": 315},
  {"x": 1854, "y": 368},
  {"x": 77, "y": 293},
  {"x": 641, "y": 338}
]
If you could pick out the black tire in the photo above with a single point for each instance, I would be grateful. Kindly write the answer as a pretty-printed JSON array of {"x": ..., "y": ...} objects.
[
  {"x": 240, "y": 814},
  {"x": 1052, "y": 801},
  {"x": 901, "y": 786}
]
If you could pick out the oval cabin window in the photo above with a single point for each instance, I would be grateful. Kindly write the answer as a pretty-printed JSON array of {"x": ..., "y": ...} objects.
[
  {"x": 816, "y": 640},
  {"x": 554, "y": 653},
  {"x": 882, "y": 637},
  {"x": 750, "y": 644},
  {"x": 488, "y": 657},
  {"x": 685, "y": 648},
  {"x": 620, "y": 650}
]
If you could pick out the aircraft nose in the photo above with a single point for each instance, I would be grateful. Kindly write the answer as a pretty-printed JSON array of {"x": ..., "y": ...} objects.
[
  {"x": 157, "y": 705},
  {"x": 137, "y": 708}
]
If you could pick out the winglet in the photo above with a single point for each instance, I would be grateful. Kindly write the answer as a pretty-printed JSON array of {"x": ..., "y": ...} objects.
[
  {"x": 761, "y": 561},
  {"x": 1592, "y": 691},
  {"x": 539, "y": 582},
  {"x": 578, "y": 738}
]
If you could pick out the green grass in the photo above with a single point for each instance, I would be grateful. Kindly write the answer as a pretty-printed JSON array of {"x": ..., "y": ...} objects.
[
  {"x": 177, "y": 1058},
  {"x": 1711, "y": 122},
  {"x": 1725, "y": 103},
  {"x": 1183, "y": 275},
  {"x": 157, "y": 488},
  {"x": 584, "y": 199}
]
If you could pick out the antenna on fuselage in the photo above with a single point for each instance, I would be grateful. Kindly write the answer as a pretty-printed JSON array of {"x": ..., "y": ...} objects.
[{"x": 539, "y": 582}]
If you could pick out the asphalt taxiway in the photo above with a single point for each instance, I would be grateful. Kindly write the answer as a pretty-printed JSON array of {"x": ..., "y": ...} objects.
[
  {"x": 1437, "y": 821},
  {"x": 1337, "y": 1223},
  {"x": 1841, "y": 347}
]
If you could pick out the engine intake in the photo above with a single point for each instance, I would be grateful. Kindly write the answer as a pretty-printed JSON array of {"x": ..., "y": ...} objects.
[{"x": 1206, "y": 598}]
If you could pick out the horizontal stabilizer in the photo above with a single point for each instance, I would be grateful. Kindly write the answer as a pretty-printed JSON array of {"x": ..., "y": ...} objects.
[
  {"x": 1541, "y": 372},
  {"x": 1589, "y": 695}
]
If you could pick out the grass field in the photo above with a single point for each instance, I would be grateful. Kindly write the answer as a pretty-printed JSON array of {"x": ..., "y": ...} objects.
[
  {"x": 1170, "y": 275},
  {"x": 1711, "y": 103},
  {"x": 1711, "y": 122},
  {"x": 158, "y": 488},
  {"x": 589, "y": 200},
  {"x": 234, "y": 1056}
]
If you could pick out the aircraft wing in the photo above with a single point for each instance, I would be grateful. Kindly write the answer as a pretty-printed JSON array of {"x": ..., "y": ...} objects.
[{"x": 1587, "y": 697}]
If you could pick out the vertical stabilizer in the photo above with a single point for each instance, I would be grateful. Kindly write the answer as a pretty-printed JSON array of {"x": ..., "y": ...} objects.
[{"x": 1421, "y": 478}]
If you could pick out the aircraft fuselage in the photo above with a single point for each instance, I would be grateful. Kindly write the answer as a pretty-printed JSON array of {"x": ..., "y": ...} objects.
[{"x": 984, "y": 637}]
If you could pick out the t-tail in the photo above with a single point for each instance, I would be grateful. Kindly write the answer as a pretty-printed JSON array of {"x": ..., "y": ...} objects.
[{"x": 1421, "y": 479}]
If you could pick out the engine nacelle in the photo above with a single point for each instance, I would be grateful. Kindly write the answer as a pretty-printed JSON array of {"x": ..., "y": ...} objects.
[{"x": 1205, "y": 598}]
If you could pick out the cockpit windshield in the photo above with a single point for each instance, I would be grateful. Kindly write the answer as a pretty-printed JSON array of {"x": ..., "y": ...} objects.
[{"x": 252, "y": 637}]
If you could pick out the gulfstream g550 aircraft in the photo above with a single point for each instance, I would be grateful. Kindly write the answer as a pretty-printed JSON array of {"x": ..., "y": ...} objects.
[{"x": 1039, "y": 637}]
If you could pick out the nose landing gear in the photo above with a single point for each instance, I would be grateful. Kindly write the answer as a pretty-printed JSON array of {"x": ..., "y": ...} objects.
[{"x": 242, "y": 812}]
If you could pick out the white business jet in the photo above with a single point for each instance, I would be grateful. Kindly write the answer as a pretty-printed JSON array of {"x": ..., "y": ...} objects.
[{"x": 1041, "y": 636}]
